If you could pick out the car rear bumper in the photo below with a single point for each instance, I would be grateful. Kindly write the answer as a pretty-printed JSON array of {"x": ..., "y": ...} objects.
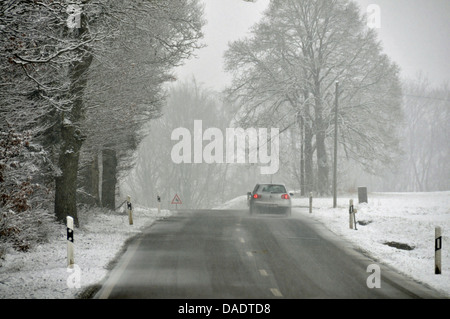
[
  {"x": 271, "y": 204},
  {"x": 264, "y": 207}
]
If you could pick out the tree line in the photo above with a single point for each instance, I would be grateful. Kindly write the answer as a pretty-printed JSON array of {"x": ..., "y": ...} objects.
[
  {"x": 392, "y": 132},
  {"x": 79, "y": 81},
  {"x": 390, "y": 129}
]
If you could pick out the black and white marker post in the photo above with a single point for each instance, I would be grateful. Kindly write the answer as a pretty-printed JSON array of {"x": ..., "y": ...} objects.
[
  {"x": 130, "y": 210},
  {"x": 310, "y": 202},
  {"x": 159, "y": 204},
  {"x": 70, "y": 255},
  {"x": 350, "y": 211},
  {"x": 437, "y": 250}
]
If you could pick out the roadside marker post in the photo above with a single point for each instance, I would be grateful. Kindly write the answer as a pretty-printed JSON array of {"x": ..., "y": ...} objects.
[
  {"x": 310, "y": 202},
  {"x": 350, "y": 211},
  {"x": 437, "y": 250},
  {"x": 159, "y": 204},
  {"x": 70, "y": 248},
  {"x": 130, "y": 210}
]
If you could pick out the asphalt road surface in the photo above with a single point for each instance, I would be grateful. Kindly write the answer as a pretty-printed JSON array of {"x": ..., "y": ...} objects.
[{"x": 225, "y": 254}]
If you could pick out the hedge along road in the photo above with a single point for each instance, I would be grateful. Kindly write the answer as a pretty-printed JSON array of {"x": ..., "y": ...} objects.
[{"x": 199, "y": 254}]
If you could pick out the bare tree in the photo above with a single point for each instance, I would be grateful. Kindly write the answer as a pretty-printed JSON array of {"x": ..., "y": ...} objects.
[{"x": 295, "y": 56}]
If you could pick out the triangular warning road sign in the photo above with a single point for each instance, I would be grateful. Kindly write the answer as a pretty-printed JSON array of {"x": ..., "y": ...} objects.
[{"x": 176, "y": 200}]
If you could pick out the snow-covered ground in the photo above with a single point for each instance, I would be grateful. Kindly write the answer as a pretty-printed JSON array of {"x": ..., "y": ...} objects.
[
  {"x": 42, "y": 273},
  {"x": 407, "y": 218}
]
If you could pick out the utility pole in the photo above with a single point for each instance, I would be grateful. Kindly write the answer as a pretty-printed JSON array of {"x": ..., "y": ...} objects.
[{"x": 335, "y": 147}]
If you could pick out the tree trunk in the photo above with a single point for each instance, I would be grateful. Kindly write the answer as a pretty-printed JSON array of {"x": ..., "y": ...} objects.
[
  {"x": 322, "y": 165},
  {"x": 308, "y": 150},
  {"x": 109, "y": 178},
  {"x": 89, "y": 182},
  {"x": 94, "y": 181},
  {"x": 302, "y": 157},
  {"x": 322, "y": 158},
  {"x": 71, "y": 137},
  {"x": 66, "y": 183}
]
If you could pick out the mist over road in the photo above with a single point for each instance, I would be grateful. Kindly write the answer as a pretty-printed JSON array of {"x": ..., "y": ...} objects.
[{"x": 229, "y": 254}]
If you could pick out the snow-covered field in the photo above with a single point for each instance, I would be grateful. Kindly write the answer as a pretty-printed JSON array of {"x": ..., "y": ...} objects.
[{"x": 408, "y": 218}]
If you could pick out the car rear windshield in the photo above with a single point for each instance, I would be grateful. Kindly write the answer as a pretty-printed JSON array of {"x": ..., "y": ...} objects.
[{"x": 272, "y": 188}]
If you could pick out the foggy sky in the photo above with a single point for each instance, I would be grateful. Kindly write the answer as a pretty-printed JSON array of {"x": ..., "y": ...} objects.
[{"x": 414, "y": 33}]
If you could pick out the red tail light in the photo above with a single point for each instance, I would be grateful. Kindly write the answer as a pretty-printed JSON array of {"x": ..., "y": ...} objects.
[
  {"x": 285, "y": 196},
  {"x": 256, "y": 196}
]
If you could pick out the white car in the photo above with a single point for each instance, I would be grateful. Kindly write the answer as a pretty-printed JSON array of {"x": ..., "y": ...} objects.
[{"x": 269, "y": 198}]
